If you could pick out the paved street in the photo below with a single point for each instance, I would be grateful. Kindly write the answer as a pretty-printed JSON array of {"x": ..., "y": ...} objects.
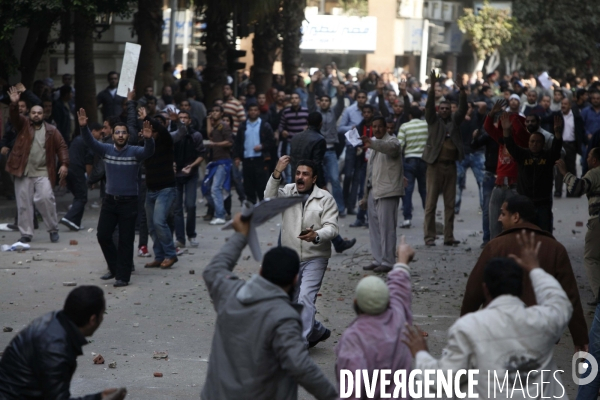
[{"x": 171, "y": 310}]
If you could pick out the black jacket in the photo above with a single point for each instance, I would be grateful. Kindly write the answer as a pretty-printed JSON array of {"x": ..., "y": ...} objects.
[
  {"x": 579, "y": 128},
  {"x": 111, "y": 106},
  {"x": 491, "y": 150},
  {"x": 536, "y": 172},
  {"x": 62, "y": 116},
  {"x": 40, "y": 361},
  {"x": 267, "y": 140},
  {"x": 309, "y": 145}
]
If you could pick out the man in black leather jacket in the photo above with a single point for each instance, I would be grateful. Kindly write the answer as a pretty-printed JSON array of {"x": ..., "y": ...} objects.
[{"x": 40, "y": 361}]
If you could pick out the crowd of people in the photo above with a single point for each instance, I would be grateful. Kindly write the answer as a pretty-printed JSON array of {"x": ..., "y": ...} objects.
[{"x": 520, "y": 136}]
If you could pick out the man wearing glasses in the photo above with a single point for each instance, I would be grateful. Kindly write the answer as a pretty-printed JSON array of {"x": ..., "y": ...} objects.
[{"x": 120, "y": 205}]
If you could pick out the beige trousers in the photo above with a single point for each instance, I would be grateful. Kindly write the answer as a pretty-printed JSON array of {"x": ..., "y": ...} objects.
[
  {"x": 441, "y": 180},
  {"x": 591, "y": 254},
  {"x": 38, "y": 192}
]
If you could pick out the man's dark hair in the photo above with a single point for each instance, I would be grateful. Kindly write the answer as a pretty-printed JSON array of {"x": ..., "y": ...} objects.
[
  {"x": 113, "y": 121},
  {"x": 112, "y": 73},
  {"x": 539, "y": 133},
  {"x": 370, "y": 107},
  {"x": 310, "y": 164},
  {"x": 162, "y": 118},
  {"x": 390, "y": 120},
  {"x": 150, "y": 98},
  {"x": 185, "y": 112},
  {"x": 503, "y": 276},
  {"x": 415, "y": 112},
  {"x": 522, "y": 205},
  {"x": 378, "y": 118},
  {"x": 326, "y": 96},
  {"x": 228, "y": 85},
  {"x": 190, "y": 93},
  {"x": 65, "y": 90},
  {"x": 536, "y": 117},
  {"x": 280, "y": 266},
  {"x": 315, "y": 119},
  {"x": 253, "y": 105},
  {"x": 119, "y": 123},
  {"x": 82, "y": 303},
  {"x": 485, "y": 88},
  {"x": 95, "y": 126},
  {"x": 216, "y": 105},
  {"x": 362, "y": 92},
  {"x": 559, "y": 91},
  {"x": 579, "y": 93},
  {"x": 595, "y": 152},
  {"x": 445, "y": 102},
  {"x": 229, "y": 118}
]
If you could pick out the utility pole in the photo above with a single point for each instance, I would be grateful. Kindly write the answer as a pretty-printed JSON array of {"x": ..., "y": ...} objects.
[
  {"x": 172, "y": 27},
  {"x": 424, "y": 49}
]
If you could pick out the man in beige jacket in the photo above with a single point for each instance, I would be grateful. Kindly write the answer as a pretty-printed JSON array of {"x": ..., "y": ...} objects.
[
  {"x": 385, "y": 186},
  {"x": 307, "y": 228}
]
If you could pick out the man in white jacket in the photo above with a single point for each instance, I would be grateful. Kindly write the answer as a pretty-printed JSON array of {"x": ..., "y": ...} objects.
[
  {"x": 507, "y": 338},
  {"x": 308, "y": 228}
]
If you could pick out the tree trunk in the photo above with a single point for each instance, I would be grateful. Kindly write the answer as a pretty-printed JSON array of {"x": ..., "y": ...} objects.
[
  {"x": 35, "y": 46},
  {"x": 147, "y": 23},
  {"x": 216, "y": 42},
  {"x": 85, "y": 77},
  {"x": 293, "y": 15},
  {"x": 264, "y": 46}
]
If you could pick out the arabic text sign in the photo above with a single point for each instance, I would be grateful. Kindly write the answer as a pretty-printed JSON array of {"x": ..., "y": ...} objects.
[
  {"x": 339, "y": 33},
  {"x": 129, "y": 68}
]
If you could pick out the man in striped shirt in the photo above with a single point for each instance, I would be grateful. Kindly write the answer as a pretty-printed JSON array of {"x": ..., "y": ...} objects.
[
  {"x": 233, "y": 107},
  {"x": 294, "y": 119},
  {"x": 413, "y": 137}
]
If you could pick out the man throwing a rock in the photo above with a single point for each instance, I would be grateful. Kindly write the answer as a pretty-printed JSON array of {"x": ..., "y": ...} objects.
[{"x": 307, "y": 228}]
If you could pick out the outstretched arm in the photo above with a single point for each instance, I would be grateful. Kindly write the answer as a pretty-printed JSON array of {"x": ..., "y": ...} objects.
[{"x": 430, "y": 114}]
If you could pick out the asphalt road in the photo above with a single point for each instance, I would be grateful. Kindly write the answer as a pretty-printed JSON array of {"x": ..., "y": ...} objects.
[{"x": 171, "y": 310}]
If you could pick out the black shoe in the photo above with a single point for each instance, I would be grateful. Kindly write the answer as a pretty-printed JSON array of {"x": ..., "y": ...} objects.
[
  {"x": 69, "y": 224},
  {"x": 54, "y": 236},
  {"x": 452, "y": 243},
  {"x": 345, "y": 245},
  {"x": 383, "y": 268},
  {"x": 12, "y": 226},
  {"x": 25, "y": 239},
  {"x": 107, "y": 276},
  {"x": 323, "y": 338},
  {"x": 120, "y": 283},
  {"x": 558, "y": 195},
  {"x": 370, "y": 267}
]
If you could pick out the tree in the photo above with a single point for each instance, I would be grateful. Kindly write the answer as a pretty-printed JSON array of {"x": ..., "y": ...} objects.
[
  {"x": 85, "y": 77},
  {"x": 147, "y": 23},
  {"x": 265, "y": 44},
  {"x": 292, "y": 18},
  {"x": 559, "y": 35},
  {"x": 487, "y": 30}
]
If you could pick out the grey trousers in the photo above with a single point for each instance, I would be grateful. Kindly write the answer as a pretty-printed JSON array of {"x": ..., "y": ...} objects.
[
  {"x": 309, "y": 283},
  {"x": 499, "y": 195},
  {"x": 383, "y": 219},
  {"x": 38, "y": 192}
]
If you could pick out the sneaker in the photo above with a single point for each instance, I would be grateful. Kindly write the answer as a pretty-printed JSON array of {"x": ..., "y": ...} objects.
[
  {"x": 119, "y": 283},
  {"x": 193, "y": 242},
  {"x": 405, "y": 224},
  {"x": 218, "y": 221},
  {"x": 71, "y": 225},
  {"x": 95, "y": 205},
  {"x": 179, "y": 244},
  {"x": 228, "y": 217},
  {"x": 207, "y": 217},
  {"x": 143, "y": 252},
  {"x": 54, "y": 236},
  {"x": 179, "y": 251},
  {"x": 345, "y": 245},
  {"x": 323, "y": 338},
  {"x": 25, "y": 239}
]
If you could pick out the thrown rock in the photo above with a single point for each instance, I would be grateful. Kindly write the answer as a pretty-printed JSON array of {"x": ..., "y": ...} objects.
[
  {"x": 192, "y": 272},
  {"x": 578, "y": 223},
  {"x": 158, "y": 375},
  {"x": 160, "y": 355},
  {"x": 73, "y": 242},
  {"x": 98, "y": 359},
  {"x": 112, "y": 364},
  {"x": 7, "y": 329}
]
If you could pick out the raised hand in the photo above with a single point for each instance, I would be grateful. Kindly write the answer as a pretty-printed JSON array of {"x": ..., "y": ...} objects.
[
  {"x": 173, "y": 115},
  {"x": 402, "y": 86},
  {"x": 562, "y": 167},
  {"x": 147, "y": 130},
  {"x": 82, "y": 117},
  {"x": 505, "y": 121},
  {"x": 380, "y": 86},
  {"x": 14, "y": 94},
  {"x": 283, "y": 162},
  {"x": 130, "y": 94},
  {"x": 498, "y": 106},
  {"x": 413, "y": 338},
  {"x": 20, "y": 87},
  {"x": 142, "y": 113},
  {"x": 529, "y": 251},
  {"x": 433, "y": 77},
  {"x": 405, "y": 253}
]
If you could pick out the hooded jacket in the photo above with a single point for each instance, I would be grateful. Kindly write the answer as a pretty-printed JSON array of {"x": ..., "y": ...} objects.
[
  {"x": 553, "y": 258},
  {"x": 257, "y": 350}
]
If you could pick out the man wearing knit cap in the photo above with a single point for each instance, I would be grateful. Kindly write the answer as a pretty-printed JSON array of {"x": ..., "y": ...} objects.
[{"x": 372, "y": 340}]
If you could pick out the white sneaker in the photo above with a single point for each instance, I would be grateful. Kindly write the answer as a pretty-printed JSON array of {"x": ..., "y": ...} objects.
[
  {"x": 95, "y": 205},
  {"x": 405, "y": 224},
  {"x": 193, "y": 242},
  {"x": 218, "y": 221},
  {"x": 180, "y": 251},
  {"x": 179, "y": 244}
]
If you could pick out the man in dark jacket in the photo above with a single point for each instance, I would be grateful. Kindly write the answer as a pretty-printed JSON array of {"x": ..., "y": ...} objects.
[
  {"x": 536, "y": 168},
  {"x": 62, "y": 115},
  {"x": 258, "y": 351},
  {"x": 109, "y": 102},
  {"x": 573, "y": 137},
  {"x": 253, "y": 148},
  {"x": 39, "y": 363},
  {"x": 516, "y": 216}
]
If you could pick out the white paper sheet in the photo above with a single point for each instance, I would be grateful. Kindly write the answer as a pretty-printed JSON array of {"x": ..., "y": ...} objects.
[
  {"x": 353, "y": 137},
  {"x": 261, "y": 213},
  {"x": 129, "y": 68}
]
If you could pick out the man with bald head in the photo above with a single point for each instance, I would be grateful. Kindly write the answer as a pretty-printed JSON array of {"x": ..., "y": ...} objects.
[{"x": 32, "y": 163}]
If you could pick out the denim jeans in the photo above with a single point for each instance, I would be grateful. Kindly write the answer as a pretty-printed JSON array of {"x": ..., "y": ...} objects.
[
  {"x": 216, "y": 191},
  {"x": 476, "y": 162},
  {"x": 158, "y": 207},
  {"x": 332, "y": 175},
  {"x": 77, "y": 184},
  {"x": 590, "y": 391},
  {"x": 489, "y": 180},
  {"x": 237, "y": 181},
  {"x": 186, "y": 187},
  {"x": 414, "y": 169}
]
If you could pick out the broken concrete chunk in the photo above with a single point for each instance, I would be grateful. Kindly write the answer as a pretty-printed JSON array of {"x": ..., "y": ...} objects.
[
  {"x": 112, "y": 364},
  {"x": 69, "y": 283},
  {"x": 99, "y": 359},
  {"x": 192, "y": 272},
  {"x": 160, "y": 355},
  {"x": 7, "y": 329}
]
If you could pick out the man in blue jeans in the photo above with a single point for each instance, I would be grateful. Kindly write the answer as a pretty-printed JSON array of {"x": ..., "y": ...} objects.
[
  {"x": 413, "y": 137},
  {"x": 481, "y": 138},
  {"x": 189, "y": 153},
  {"x": 160, "y": 197}
]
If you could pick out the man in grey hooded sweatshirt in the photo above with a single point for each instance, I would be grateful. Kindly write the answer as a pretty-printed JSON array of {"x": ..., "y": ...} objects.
[{"x": 258, "y": 351}]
